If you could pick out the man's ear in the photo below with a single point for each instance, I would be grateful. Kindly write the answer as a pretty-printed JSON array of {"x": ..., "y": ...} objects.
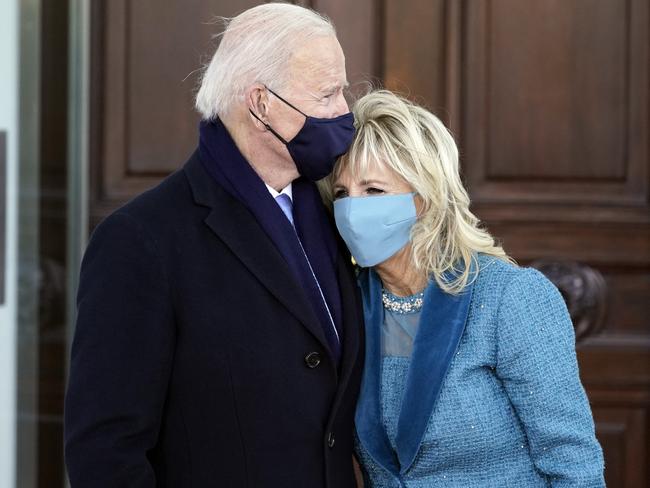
[{"x": 257, "y": 102}]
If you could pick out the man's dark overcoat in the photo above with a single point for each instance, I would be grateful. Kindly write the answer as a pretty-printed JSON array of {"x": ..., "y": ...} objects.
[{"x": 197, "y": 361}]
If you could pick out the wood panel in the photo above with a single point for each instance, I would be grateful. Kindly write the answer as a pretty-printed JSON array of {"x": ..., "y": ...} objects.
[
  {"x": 541, "y": 119},
  {"x": 623, "y": 434},
  {"x": 359, "y": 29},
  {"x": 554, "y": 72},
  {"x": 403, "y": 43}
]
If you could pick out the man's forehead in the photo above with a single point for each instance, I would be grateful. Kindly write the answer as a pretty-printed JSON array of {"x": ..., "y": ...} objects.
[
  {"x": 319, "y": 63},
  {"x": 324, "y": 48}
]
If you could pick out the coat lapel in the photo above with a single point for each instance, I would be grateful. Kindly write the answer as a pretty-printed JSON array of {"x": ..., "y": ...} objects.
[
  {"x": 442, "y": 324},
  {"x": 368, "y": 417},
  {"x": 233, "y": 223},
  {"x": 352, "y": 337}
]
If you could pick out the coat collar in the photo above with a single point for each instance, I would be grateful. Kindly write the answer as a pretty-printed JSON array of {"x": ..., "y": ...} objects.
[
  {"x": 442, "y": 323},
  {"x": 234, "y": 224}
]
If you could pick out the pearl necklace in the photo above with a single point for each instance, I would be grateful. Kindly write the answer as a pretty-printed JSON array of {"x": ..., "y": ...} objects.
[{"x": 409, "y": 304}]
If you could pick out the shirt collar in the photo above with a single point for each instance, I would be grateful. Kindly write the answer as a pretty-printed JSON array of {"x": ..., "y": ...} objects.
[{"x": 286, "y": 190}]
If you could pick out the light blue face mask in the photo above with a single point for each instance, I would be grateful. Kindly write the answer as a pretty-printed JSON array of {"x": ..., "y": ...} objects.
[{"x": 375, "y": 228}]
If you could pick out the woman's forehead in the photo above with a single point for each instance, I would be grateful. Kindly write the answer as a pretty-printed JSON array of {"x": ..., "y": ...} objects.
[{"x": 359, "y": 172}]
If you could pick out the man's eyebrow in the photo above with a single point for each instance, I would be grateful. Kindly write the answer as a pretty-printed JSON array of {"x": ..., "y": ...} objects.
[{"x": 331, "y": 88}]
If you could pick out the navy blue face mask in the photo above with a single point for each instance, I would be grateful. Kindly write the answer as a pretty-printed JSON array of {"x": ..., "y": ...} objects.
[{"x": 318, "y": 143}]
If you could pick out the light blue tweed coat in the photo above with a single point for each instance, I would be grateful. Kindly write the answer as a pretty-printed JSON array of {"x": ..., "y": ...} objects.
[{"x": 490, "y": 396}]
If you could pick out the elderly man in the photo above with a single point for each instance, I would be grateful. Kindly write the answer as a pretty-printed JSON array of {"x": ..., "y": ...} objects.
[{"x": 218, "y": 339}]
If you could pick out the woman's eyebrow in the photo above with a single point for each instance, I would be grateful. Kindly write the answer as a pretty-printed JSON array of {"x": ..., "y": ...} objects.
[{"x": 372, "y": 182}]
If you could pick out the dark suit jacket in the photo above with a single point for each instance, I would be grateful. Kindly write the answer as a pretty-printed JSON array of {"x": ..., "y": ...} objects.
[{"x": 197, "y": 361}]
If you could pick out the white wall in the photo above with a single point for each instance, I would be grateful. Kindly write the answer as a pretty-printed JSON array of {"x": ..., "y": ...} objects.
[{"x": 9, "y": 68}]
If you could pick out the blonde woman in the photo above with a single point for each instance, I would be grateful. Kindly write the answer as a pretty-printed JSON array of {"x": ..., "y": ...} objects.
[{"x": 471, "y": 377}]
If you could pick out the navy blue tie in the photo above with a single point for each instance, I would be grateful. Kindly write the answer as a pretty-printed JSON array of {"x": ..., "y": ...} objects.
[{"x": 286, "y": 205}]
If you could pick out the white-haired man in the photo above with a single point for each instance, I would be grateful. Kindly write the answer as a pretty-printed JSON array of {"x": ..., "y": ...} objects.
[{"x": 218, "y": 339}]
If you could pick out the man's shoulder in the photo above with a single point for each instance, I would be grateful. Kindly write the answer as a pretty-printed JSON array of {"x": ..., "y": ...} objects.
[
  {"x": 167, "y": 205},
  {"x": 166, "y": 199}
]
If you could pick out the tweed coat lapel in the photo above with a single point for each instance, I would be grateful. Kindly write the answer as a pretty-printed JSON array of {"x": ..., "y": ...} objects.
[
  {"x": 233, "y": 223},
  {"x": 368, "y": 417},
  {"x": 442, "y": 323}
]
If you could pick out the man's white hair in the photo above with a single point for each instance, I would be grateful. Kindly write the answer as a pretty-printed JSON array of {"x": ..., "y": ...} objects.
[{"x": 256, "y": 47}]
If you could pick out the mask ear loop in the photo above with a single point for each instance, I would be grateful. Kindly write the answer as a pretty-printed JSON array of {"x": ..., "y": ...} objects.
[
  {"x": 269, "y": 128},
  {"x": 292, "y": 106}
]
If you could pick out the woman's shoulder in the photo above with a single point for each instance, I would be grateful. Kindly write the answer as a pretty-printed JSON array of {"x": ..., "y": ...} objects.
[
  {"x": 521, "y": 295},
  {"x": 508, "y": 277},
  {"x": 504, "y": 285}
]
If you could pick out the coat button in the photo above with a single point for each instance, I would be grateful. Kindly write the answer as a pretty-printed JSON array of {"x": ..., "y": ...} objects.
[
  {"x": 330, "y": 440},
  {"x": 312, "y": 359}
]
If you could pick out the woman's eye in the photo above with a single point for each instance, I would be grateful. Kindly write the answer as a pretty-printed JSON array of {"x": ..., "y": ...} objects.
[
  {"x": 340, "y": 194},
  {"x": 374, "y": 191}
]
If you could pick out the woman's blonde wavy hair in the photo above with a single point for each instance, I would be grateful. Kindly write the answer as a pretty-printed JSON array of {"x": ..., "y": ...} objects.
[{"x": 416, "y": 145}]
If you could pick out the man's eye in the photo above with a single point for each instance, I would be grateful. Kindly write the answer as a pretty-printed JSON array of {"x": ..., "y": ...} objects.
[
  {"x": 330, "y": 94},
  {"x": 340, "y": 194}
]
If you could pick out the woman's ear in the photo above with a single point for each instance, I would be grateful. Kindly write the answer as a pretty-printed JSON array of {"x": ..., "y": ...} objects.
[{"x": 419, "y": 205}]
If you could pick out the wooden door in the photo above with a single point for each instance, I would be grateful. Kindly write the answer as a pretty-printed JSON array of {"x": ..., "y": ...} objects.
[{"x": 548, "y": 101}]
